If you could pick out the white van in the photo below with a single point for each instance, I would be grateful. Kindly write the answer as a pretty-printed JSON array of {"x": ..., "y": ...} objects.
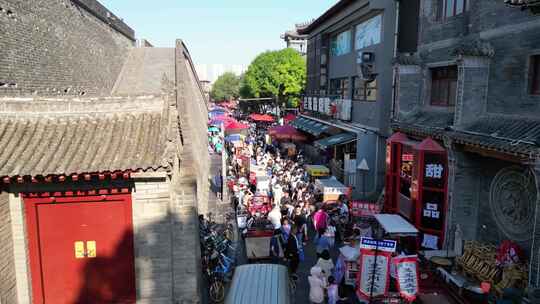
[{"x": 260, "y": 284}]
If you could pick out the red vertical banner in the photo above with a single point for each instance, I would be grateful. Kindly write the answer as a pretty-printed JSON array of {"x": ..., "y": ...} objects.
[
  {"x": 373, "y": 279},
  {"x": 407, "y": 276}
]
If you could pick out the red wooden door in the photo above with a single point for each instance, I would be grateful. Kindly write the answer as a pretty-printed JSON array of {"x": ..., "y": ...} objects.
[{"x": 81, "y": 249}]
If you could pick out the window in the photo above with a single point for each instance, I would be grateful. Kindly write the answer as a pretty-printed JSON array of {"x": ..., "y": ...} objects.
[
  {"x": 444, "y": 86},
  {"x": 450, "y": 8},
  {"x": 340, "y": 44},
  {"x": 339, "y": 87},
  {"x": 365, "y": 91},
  {"x": 534, "y": 75},
  {"x": 368, "y": 32}
]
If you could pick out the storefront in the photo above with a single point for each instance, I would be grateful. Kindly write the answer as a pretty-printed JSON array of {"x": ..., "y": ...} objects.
[{"x": 416, "y": 185}]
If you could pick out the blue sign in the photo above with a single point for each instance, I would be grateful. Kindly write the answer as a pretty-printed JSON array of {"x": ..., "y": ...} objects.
[{"x": 382, "y": 245}]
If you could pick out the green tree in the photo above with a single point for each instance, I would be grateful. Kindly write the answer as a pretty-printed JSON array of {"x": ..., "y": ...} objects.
[
  {"x": 226, "y": 87},
  {"x": 280, "y": 74}
]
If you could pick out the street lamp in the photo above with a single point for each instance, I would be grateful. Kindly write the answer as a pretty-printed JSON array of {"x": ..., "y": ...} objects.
[{"x": 364, "y": 168}]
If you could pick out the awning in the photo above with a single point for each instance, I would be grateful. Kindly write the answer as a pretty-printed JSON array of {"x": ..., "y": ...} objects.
[
  {"x": 334, "y": 140},
  {"x": 310, "y": 126},
  {"x": 395, "y": 224}
]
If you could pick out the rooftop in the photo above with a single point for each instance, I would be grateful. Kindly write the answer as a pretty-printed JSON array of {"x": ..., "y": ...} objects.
[{"x": 41, "y": 137}]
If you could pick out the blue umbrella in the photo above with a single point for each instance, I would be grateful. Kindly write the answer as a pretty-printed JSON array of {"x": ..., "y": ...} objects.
[{"x": 233, "y": 138}]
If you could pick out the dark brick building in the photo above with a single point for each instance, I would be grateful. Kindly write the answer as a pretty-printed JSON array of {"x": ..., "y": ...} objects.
[{"x": 472, "y": 87}]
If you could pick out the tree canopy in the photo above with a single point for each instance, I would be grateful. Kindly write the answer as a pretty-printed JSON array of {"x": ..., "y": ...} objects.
[
  {"x": 226, "y": 87},
  {"x": 280, "y": 74}
]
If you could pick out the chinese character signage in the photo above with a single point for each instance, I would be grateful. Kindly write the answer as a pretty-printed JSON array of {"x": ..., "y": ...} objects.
[
  {"x": 373, "y": 276},
  {"x": 432, "y": 210},
  {"x": 434, "y": 170},
  {"x": 407, "y": 276}
]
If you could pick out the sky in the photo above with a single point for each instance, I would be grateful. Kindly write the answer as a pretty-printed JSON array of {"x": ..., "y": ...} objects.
[{"x": 217, "y": 31}]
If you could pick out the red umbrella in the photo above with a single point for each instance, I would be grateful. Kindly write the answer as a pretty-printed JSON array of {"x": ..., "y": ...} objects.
[
  {"x": 289, "y": 117},
  {"x": 286, "y": 132},
  {"x": 261, "y": 117},
  {"x": 235, "y": 125}
]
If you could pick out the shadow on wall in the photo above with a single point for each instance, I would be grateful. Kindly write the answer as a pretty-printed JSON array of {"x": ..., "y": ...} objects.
[{"x": 111, "y": 278}]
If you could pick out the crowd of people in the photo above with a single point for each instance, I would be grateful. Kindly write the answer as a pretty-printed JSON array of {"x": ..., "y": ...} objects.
[{"x": 297, "y": 216}]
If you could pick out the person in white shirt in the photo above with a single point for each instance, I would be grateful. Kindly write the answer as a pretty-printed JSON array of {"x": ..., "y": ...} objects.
[
  {"x": 317, "y": 285},
  {"x": 274, "y": 217}
]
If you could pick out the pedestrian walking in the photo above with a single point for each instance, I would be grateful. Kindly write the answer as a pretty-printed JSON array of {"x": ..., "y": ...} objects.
[
  {"x": 292, "y": 251},
  {"x": 317, "y": 285}
]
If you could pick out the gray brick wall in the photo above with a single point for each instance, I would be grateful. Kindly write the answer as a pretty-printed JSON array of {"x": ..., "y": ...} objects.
[
  {"x": 55, "y": 47},
  {"x": 8, "y": 289},
  {"x": 152, "y": 227}
]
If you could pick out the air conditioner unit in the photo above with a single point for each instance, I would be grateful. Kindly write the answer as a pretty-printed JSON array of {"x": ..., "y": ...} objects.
[{"x": 366, "y": 66}]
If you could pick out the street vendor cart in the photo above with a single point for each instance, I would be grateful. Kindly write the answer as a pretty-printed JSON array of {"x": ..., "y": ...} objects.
[
  {"x": 259, "y": 230},
  {"x": 393, "y": 226},
  {"x": 317, "y": 171},
  {"x": 331, "y": 189}
]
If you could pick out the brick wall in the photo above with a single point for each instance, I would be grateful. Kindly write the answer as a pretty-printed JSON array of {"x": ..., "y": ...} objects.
[
  {"x": 56, "y": 47},
  {"x": 152, "y": 227},
  {"x": 8, "y": 291}
]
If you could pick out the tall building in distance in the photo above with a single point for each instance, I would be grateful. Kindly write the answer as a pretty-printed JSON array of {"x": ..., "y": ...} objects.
[{"x": 211, "y": 72}]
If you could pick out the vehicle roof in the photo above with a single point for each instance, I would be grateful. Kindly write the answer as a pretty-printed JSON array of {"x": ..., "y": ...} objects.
[{"x": 259, "y": 283}]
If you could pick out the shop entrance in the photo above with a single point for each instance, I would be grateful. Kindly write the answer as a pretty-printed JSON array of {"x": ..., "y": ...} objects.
[{"x": 81, "y": 249}]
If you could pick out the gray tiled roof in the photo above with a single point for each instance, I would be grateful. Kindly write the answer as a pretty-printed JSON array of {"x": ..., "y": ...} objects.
[
  {"x": 124, "y": 135},
  {"x": 426, "y": 122},
  {"x": 504, "y": 134}
]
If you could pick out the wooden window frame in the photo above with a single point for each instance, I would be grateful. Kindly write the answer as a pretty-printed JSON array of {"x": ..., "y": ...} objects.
[
  {"x": 442, "y": 12},
  {"x": 442, "y": 79},
  {"x": 342, "y": 90},
  {"x": 364, "y": 87}
]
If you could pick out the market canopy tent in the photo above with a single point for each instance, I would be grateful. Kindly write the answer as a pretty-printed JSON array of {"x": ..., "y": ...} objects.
[
  {"x": 317, "y": 170},
  {"x": 286, "y": 132},
  {"x": 221, "y": 119},
  {"x": 235, "y": 127},
  {"x": 338, "y": 139},
  {"x": 261, "y": 117},
  {"x": 234, "y": 138},
  {"x": 396, "y": 225},
  {"x": 289, "y": 117}
]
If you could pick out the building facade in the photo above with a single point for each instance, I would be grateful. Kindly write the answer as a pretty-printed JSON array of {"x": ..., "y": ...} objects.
[
  {"x": 349, "y": 88},
  {"x": 471, "y": 92}
]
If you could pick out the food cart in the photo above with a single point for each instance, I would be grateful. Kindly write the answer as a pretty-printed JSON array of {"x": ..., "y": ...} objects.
[
  {"x": 393, "y": 226},
  {"x": 331, "y": 189},
  {"x": 259, "y": 229},
  {"x": 317, "y": 171}
]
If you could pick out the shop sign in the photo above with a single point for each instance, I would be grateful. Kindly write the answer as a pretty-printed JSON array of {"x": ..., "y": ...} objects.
[
  {"x": 360, "y": 208},
  {"x": 382, "y": 245},
  {"x": 373, "y": 276},
  {"x": 305, "y": 102},
  {"x": 407, "y": 276},
  {"x": 321, "y": 105},
  {"x": 432, "y": 210},
  {"x": 434, "y": 170}
]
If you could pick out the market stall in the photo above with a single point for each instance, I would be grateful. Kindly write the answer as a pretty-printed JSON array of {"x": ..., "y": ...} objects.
[
  {"x": 317, "y": 170},
  {"x": 331, "y": 189}
]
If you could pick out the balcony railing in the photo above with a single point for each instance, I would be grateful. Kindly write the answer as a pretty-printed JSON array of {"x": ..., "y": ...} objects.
[{"x": 327, "y": 107}]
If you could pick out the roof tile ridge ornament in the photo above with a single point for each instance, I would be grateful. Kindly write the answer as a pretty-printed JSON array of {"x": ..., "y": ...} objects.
[
  {"x": 475, "y": 47},
  {"x": 532, "y": 5}
]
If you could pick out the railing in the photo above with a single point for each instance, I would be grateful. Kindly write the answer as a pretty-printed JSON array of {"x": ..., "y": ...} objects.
[{"x": 327, "y": 107}]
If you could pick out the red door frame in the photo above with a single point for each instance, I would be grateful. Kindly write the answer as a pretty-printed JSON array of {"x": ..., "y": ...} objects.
[{"x": 30, "y": 209}]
